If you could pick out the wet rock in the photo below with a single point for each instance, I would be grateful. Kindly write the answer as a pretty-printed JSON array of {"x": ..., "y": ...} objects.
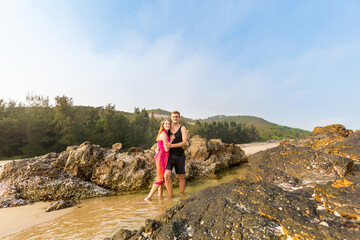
[
  {"x": 246, "y": 210},
  {"x": 123, "y": 234},
  {"x": 341, "y": 197},
  {"x": 61, "y": 204},
  {"x": 295, "y": 167},
  {"x": 6, "y": 202}
]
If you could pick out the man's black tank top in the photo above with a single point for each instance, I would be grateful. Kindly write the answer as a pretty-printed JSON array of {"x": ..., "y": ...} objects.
[{"x": 178, "y": 151}]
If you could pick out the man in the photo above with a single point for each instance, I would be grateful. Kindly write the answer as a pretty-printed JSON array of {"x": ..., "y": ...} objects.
[{"x": 176, "y": 155}]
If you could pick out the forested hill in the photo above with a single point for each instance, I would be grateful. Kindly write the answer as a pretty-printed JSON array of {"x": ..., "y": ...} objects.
[
  {"x": 267, "y": 130},
  {"x": 37, "y": 127}
]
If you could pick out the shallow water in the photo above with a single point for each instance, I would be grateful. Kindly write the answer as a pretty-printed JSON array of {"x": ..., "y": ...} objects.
[{"x": 98, "y": 218}]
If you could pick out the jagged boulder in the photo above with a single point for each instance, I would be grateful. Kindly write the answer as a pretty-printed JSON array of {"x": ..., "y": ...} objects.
[
  {"x": 207, "y": 159},
  {"x": 198, "y": 149},
  {"x": 295, "y": 167},
  {"x": 336, "y": 129},
  {"x": 244, "y": 210},
  {"x": 125, "y": 172},
  {"x": 79, "y": 161},
  {"x": 332, "y": 139},
  {"x": 38, "y": 180}
]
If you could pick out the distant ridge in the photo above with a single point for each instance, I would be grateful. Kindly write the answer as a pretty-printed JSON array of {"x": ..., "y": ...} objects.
[{"x": 267, "y": 130}]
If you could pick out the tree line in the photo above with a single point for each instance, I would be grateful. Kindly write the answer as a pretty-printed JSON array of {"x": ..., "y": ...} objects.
[
  {"x": 228, "y": 132},
  {"x": 37, "y": 127}
]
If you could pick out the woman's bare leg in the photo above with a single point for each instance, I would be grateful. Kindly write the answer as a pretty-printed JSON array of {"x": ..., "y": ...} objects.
[
  {"x": 160, "y": 191},
  {"x": 152, "y": 191}
]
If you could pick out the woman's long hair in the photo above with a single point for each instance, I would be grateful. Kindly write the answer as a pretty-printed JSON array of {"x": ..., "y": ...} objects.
[{"x": 162, "y": 128}]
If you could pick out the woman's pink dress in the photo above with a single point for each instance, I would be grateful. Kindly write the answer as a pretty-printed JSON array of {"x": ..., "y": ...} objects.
[{"x": 161, "y": 159}]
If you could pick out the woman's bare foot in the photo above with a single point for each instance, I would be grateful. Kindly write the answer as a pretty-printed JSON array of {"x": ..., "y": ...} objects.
[{"x": 147, "y": 199}]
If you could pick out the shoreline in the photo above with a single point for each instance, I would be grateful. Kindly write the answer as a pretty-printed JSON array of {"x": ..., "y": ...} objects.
[{"x": 16, "y": 219}]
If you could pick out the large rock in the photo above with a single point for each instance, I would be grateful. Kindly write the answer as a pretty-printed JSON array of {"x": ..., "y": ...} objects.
[
  {"x": 38, "y": 180},
  {"x": 79, "y": 161},
  {"x": 332, "y": 139},
  {"x": 293, "y": 167},
  {"x": 245, "y": 210},
  {"x": 206, "y": 159},
  {"x": 124, "y": 172}
]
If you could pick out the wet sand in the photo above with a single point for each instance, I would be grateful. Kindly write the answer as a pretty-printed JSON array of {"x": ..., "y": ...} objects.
[{"x": 15, "y": 219}]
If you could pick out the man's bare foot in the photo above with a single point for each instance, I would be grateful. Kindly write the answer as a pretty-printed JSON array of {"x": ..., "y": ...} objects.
[{"x": 147, "y": 199}]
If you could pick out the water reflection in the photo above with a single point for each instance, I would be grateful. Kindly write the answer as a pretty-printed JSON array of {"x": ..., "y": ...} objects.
[{"x": 98, "y": 218}]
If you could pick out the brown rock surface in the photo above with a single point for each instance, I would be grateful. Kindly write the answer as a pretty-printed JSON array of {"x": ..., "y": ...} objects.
[
  {"x": 332, "y": 139},
  {"x": 295, "y": 167},
  {"x": 244, "y": 210},
  {"x": 348, "y": 147},
  {"x": 341, "y": 197},
  {"x": 38, "y": 180}
]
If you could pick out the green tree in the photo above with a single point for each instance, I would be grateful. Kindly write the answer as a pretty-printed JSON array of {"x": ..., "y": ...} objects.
[
  {"x": 68, "y": 130},
  {"x": 40, "y": 135}
]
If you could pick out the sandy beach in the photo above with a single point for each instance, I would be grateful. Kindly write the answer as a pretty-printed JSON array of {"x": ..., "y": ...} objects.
[
  {"x": 251, "y": 148},
  {"x": 16, "y": 219}
]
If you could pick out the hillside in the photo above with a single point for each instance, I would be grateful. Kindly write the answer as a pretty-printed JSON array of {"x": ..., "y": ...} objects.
[{"x": 267, "y": 130}]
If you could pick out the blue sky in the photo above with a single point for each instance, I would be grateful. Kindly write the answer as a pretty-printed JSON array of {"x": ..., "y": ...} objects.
[{"x": 294, "y": 63}]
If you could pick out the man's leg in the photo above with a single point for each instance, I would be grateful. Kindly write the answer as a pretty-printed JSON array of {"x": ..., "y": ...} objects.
[
  {"x": 181, "y": 183},
  {"x": 168, "y": 182}
]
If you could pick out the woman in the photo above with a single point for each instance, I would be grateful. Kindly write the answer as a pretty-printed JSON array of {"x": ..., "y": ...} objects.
[{"x": 161, "y": 158}]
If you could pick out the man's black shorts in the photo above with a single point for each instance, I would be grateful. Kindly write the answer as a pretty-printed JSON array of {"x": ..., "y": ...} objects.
[{"x": 178, "y": 162}]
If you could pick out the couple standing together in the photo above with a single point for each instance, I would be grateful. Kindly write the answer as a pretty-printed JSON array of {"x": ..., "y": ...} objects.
[{"x": 171, "y": 138}]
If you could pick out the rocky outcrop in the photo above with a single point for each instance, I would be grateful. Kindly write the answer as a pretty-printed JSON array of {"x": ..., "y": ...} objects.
[
  {"x": 245, "y": 210},
  {"x": 90, "y": 171},
  {"x": 38, "y": 180},
  {"x": 302, "y": 189},
  {"x": 293, "y": 168},
  {"x": 332, "y": 139},
  {"x": 348, "y": 147},
  {"x": 206, "y": 159}
]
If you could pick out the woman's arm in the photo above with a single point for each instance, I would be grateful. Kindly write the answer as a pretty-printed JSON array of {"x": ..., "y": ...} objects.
[{"x": 164, "y": 138}]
